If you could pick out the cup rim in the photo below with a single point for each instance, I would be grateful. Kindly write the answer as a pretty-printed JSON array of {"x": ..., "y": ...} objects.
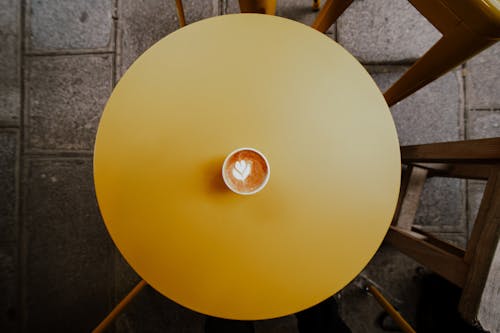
[{"x": 264, "y": 183}]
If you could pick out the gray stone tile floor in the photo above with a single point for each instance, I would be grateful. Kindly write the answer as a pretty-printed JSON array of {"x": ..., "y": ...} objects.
[{"x": 59, "y": 61}]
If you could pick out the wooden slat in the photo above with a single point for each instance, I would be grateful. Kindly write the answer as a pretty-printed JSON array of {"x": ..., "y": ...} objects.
[
  {"x": 436, "y": 13},
  {"x": 448, "y": 265},
  {"x": 448, "y": 247},
  {"x": 411, "y": 199},
  {"x": 180, "y": 13},
  {"x": 330, "y": 12},
  {"x": 480, "y": 222},
  {"x": 459, "y": 151},
  {"x": 465, "y": 171},
  {"x": 474, "y": 300},
  {"x": 405, "y": 179},
  {"x": 489, "y": 310}
]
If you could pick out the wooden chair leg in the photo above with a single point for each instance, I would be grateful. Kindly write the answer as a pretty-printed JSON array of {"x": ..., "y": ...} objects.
[
  {"x": 316, "y": 4},
  {"x": 258, "y": 6},
  {"x": 466, "y": 151},
  {"x": 438, "y": 258},
  {"x": 450, "y": 51},
  {"x": 410, "y": 199},
  {"x": 180, "y": 13},
  {"x": 329, "y": 14},
  {"x": 119, "y": 308},
  {"x": 396, "y": 316},
  {"x": 480, "y": 296}
]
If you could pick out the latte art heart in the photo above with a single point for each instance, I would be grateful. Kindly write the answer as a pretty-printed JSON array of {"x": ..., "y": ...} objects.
[{"x": 242, "y": 169}]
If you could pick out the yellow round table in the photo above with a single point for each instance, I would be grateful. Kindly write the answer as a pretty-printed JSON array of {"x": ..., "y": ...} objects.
[{"x": 256, "y": 81}]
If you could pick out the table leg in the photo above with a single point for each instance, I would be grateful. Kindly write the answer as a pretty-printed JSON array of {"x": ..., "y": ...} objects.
[
  {"x": 258, "y": 6},
  {"x": 180, "y": 13},
  {"x": 316, "y": 4},
  {"x": 119, "y": 308},
  {"x": 450, "y": 51},
  {"x": 402, "y": 323},
  {"x": 332, "y": 9}
]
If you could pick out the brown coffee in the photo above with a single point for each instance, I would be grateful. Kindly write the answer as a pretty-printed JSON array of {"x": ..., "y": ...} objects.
[{"x": 245, "y": 171}]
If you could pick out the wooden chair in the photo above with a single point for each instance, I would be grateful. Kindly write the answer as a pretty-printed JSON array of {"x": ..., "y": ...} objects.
[
  {"x": 477, "y": 268},
  {"x": 258, "y": 6},
  {"x": 246, "y": 6},
  {"x": 467, "y": 26},
  {"x": 265, "y": 6}
]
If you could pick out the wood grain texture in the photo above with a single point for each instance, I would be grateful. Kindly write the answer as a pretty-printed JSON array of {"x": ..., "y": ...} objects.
[
  {"x": 480, "y": 171},
  {"x": 481, "y": 291},
  {"x": 481, "y": 219},
  {"x": 468, "y": 151},
  {"x": 436, "y": 13},
  {"x": 489, "y": 310},
  {"x": 330, "y": 12},
  {"x": 446, "y": 246},
  {"x": 448, "y": 265},
  {"x": 405, "y": 180},
  {"x": 411, "y": 200}
]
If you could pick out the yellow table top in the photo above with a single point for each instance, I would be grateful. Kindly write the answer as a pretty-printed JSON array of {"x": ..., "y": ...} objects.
[{"x": 257, "y": 81}]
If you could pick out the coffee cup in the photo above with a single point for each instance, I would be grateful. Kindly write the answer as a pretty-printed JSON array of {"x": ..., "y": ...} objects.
[{"x": 246, "y": 171}]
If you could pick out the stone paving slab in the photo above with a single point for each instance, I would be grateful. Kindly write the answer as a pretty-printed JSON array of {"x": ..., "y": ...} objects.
[
  {"x": 10, "y": 66},
  {"x": 457, "y": 239},
  {"x": 69, "y": 254},
  {"x": 483, "y": 124},
  {"x": 432, "y": 114},
  {"x": 384, "y": 31},
  {"x": 443, "y": 206},
  {"x": 9, "y": 310},
  {"x": 9, "y": 144},
  {"x": 60, "y": 25},
  {"x": 143, "y": 23},
  {"x": 483, "y": 84},
  {"x": 8, "y": 235},
  {"x": 65, "y": 98}
]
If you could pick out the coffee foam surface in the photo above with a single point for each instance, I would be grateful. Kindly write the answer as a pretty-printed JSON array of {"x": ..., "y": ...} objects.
[{"x": 246, "y": 170}]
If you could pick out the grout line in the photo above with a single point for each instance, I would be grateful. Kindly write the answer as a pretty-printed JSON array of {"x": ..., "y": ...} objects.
[
  {"x": 222, "y": 7},
  {"x": 22, "y": 242},
  {"x": 114, "y": 60},
  {"x": 48, "y": 157},
  {"x": 404, "y": 62},
  {"x": 462, "y": 125},
  {"x": 485, "y": 109},
  {"x": 217, "y": 11},
  {"x": 466, "y": 136},
  {"x": 57, "y": 153},
  {"x": 336, "y": 30},
  {"x": 67, "y": 53},
  {"x": 113, "y": 298},
  {"x": 9, "y": 125},
  {"x": 465, "y": 108}
]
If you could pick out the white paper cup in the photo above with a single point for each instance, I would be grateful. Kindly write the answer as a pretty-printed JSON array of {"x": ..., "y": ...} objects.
[{"x": 246, "y": 171}]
